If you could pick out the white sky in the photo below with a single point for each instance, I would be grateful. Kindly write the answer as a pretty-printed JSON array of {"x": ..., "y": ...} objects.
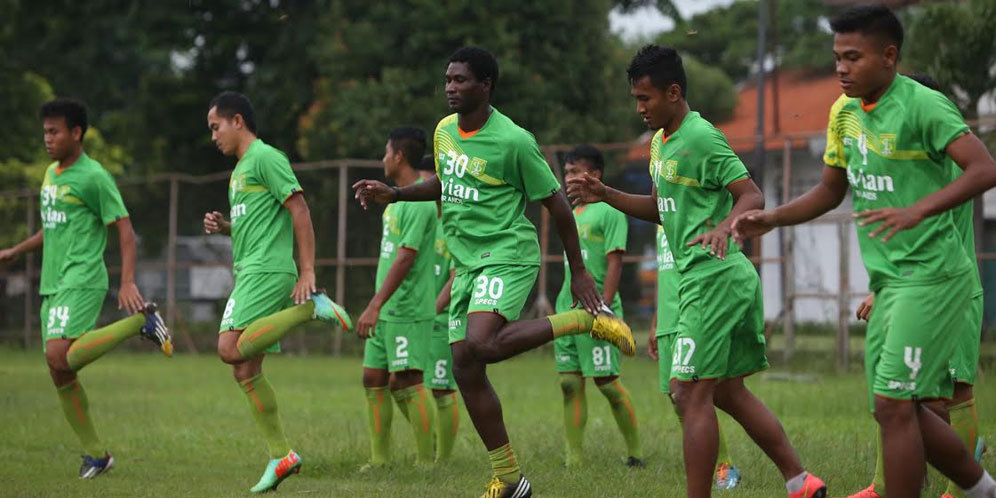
[{"x": 645, "y": 22}]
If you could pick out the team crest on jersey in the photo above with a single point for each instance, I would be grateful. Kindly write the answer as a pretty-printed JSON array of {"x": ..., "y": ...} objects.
[
  {"x": 477, "y": 166},
  {"x": 237, "y": 184},
  {"x": 888, "y": 143},
  {"x": 670, "y": 170}
]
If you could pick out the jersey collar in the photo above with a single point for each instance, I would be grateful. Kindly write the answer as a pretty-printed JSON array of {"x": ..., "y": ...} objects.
[{"x": 888, "y": 91}]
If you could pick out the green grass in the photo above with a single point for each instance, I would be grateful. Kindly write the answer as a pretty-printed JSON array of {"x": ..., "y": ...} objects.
[{"x": 181, "y": 427}]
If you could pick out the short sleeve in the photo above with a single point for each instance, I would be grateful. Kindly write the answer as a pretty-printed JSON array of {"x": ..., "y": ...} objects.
[
  {"x": 616, "y": 229},
  {"x": 723, "y": 166},
  {"x": 833, "y": 155},
  {"x": 939, "y": 121},
  {"x": 277, "y": 176},
  {"x": 535, "y": 175},
  {"x": 418, "y": 222},
  {"x": 106, "y": 199}
]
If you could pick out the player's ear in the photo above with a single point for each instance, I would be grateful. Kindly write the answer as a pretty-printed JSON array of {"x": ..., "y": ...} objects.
[
  {"x": 77, "y": 133},
  {"x": 238, "y": 122},
  {"x": 891, "y": 56},
  {"x": 673, "y": 92}
]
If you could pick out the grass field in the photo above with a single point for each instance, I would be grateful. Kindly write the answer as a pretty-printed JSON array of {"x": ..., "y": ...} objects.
[{"x": 181, "y": 427}]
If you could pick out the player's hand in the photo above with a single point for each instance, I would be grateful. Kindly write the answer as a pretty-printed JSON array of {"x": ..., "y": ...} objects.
[
  {"x": 368, "y": 320},
  {"x": 367, "y": 191},
  {"x": 7, "y": 256},
  {"x": 585, "y": 189},
  {"x": 304, "y": 287},
  {"x": 865, "y": 308},
  {"x": 214, "y": 222},
  {"x": 893, "y": 219},
  {"x": 585, "y": 291},
  {"x": 750, "y": 224},
  {"x": 130, "y": 299},
  {"x": 716, "y": 240},
  {"x": 652, "y": 346}
]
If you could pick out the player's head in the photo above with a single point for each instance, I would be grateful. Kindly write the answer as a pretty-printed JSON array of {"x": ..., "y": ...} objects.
[
  {"x": 404, "y": 149},
  {"x": 471, "y": 76},
  {"x": 231, "y": 121},
  {"x": 426, "y": 167},
  {"x": 926, "y": 81},
  {"x": 657, "y": 82},
  {"x": 867, "y": 42},
  {"x": 584, "y": 159},
  {"x": 64, "y": 122}
]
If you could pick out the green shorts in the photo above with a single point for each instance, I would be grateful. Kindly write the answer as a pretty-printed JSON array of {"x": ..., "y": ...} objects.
[
  {"x": 665, "y": 350},
  {"x": 439, "y": 375},
  {"x": 720, "y": 322},
  {"x": 909, "y": 348},
  {"x": 70, "y": 313},
  {"x": 501, "y": 289},
  {"x": 397, "y": 346},
  {"x": 965, "y": 364},
  {"x": 257, "y": 295}
]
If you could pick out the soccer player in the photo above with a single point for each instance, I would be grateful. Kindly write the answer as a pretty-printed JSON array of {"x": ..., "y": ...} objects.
[
  {"x": 700, "y": 186},
  {"x": 602, "y": 234},
  {"x": 439, "y": 374},
  {"x": 78, "y": 201},
  {"x": 961, "y": 407},
  {"x": 268, "y": 213},
  {"x": 890, "y": 141},
  {"x": 397, "y": 324},
  {"x": 487, "y": 169},
  {"x": 660, "y": 349}
]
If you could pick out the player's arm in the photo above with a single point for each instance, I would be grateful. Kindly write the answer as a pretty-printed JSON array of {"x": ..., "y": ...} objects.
[
  {"x": 443, "y": 299},
  {"x": 214, "y": 222},
  {"x": 32, "y": 243},
  {"x": 129, "y": 297},
  {"x": 613, "y": 272},
  {"x": 395, "y": 275},
  {"x": 746, "y": 197},
  {"x": 582, "y": 285},
  {"x": 825, "y": 196},
  {"x": 373, "y": 191},
  {"x": 588, "y": 190},
  {"x": 304, "y": 236},
  {"x": 652, "y": 340}
]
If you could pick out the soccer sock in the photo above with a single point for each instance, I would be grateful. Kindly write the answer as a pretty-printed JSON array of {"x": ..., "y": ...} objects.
[
  {"x": 416, "y": 400},
  {"x": 571, "y": 322},
  {"x": 879, "y": 480},
  {"x": 447, "y": 424},
  {"x": 266, "y": 331},
  {"x": 263, "y": 405},
  {"x": 622, "y": 410},
  {"x": 722, "y": 455},
  {"x": 76, "y": 408},
  {"x": 379, "y": 412},
  {"x": 985, "y": 488},
  {"x": 503, "y": 463},
  {"x": 96, "y": 343},
  {"x": 965, "y": 422},
  {"x": 794, "y": 484},
  {"x": 575, "y": 414}
]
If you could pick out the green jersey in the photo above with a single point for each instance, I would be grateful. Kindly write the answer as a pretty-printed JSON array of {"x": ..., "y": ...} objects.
[
  {"x": 77, "y": 204},
  {"x": 691, "y": 170},
  {"x": 893, "y": 152},
  {"x": 442, "y": 262},
  {"x": 487, "y": 178},
  {"x": 262, "y": 229},
  {"x": 602, "y": 229},
  {"x": 411, "y": 225},
  {"x": 667, "y": 287}
]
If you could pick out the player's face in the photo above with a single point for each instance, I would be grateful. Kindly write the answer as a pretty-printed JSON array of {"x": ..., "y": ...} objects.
[
  {"x": 59, "y": 139},
  {"x": 654, "y": 105},
  {"x": 577, "y": 169},
  {"x": 464, "y": 92},
  {"x": 391, "y": 160},
  {"x": 863, "y": 63},
  {"x": 223, "y": 132}
]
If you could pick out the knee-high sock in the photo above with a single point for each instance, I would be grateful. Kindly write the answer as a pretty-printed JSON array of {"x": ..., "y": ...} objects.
[
  {"x": 965, "y": 422},
  {"x": 263, "y": 405},
  {"x": 76, "y": 408},
  {"x": 722, "y": 455},
  {"x": 571, "y": 322},
  {"x": 622, "y": 410},
  {"x": 420, "y": 415},
  {"x": 879, "y": 479},
  {"x": 575, "y": 415},
  {"x": 266, "y": 331},
  {"x": 379, "y": 414},
  {"x": 503, "y": 463},
  {"x": 447, "y": 424},
  {"x": 96, "y": 343}
]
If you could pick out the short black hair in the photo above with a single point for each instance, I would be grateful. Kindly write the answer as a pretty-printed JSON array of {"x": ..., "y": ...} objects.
[
  {"x": 875, "y": 20},
  {"x": 231, "y": 103},
  {"x": 589, "y": 153},
  {"x": 410, "y": 141},
  {"x": 427, "y": 163},
  {"x": 481, "y": 62},
  {"x": 926, "y": 81},
  {"x": 72, "y": 110},
  {"x": 662, "y": 64}
]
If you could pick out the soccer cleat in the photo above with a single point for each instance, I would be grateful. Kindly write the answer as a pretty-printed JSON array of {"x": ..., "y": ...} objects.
[
  {"x": 727, "y": 476},
  {"x": 868, "y": 492},
  {"x": 945, "y": 495},
  {"x": 327, "y": 310},
  {"x": 501, "y": 489},
  {"x": 812, "y": 487},
  {"x": 276, "y": 471},
  {"x": 609, "y": 327},
  {"x": 155, "y": 329},
  {"x": 635, "y": 463},
  {"x": 93, "y": 467}
]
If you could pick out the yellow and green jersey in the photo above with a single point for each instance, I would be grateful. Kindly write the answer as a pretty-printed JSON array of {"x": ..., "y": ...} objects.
[
  {"x": 77, "y": 204},
  {"x": 262, "y": 229},
  {"x": 411, "y": 225},
  {"x": 487, "y": 178},
  {"x": 691, "y": 170},
  {"x": 667, "y": 287},
  {"x": 602, "y": 229},
  {"x": 893, "y": 152}
]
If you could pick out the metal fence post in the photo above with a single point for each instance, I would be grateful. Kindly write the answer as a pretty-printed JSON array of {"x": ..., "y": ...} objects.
[
  {"x": 844, "y": 295},
  {"x": 29, "y": 276},
  {"x": 174, "y": 193},
  {"x": 340, "y": 255}
]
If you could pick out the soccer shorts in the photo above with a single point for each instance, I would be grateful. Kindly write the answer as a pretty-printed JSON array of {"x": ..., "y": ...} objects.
[
  {"x": 439, "y": 374},
  {"x": 257, "y": 295},
  {"x": 914, "y": 334},
  {"x": 965, "y": 364},
  {"x": 582, "y": 353},
  {"x": 665, "y": 351},
  {"x": 70, "y": 313},
  {"x": 501, "y": 289},
  {"x": 720, "y": 322},
  {"x": 397, "y": 346}
]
